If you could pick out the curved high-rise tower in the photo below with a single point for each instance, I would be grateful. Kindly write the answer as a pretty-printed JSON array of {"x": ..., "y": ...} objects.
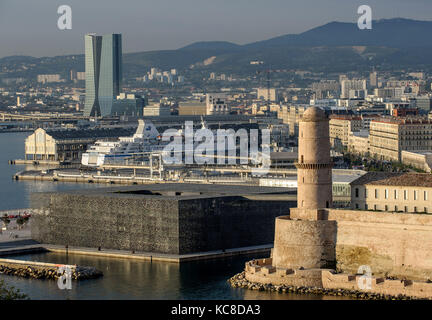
[
  {"x": 314, "y": 167},
  {"x": 103, "y": 67}
]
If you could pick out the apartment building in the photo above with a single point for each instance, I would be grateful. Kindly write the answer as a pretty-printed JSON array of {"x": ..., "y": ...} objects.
[
  {"x": 47, "y": 78},
  {"x": 192, "y": 108},
  {"x": 271, "y": 94},
  {"x": 326, "y": 88},
  {"x": 217, "y": 104},
  {"x": 358, "y": 142},
  {"x": 367, "y": 119},
  {"x": 389, "y": 92},
  {"x": 389, "y": 137},
  {"x": 157, "y": 110},
  {"x": 292, "y": 115},
  {"x": 340, "y": 128},
  {"x": 355, "y": 84}
]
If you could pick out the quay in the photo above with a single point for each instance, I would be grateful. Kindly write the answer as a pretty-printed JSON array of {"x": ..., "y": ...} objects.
[
  {"x": 61, "y": 164},
  {"x": 19, "y": 249},
  {"x": 151, "y": 256},
  {"x": 122, "y": 179},
  {"x": 34, "y": 162}
]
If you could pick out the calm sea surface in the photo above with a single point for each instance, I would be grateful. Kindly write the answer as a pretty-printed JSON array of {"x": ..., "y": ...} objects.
[
  {"x": 15, "y": 194},
  {"x": 123, "y": 279}
]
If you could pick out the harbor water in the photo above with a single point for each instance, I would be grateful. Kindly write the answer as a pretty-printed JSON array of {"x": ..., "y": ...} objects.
[
  {"x": 129, "y": 279},
  {"x": 123, "y": 278},
  {"x": 16, "y": 194}
]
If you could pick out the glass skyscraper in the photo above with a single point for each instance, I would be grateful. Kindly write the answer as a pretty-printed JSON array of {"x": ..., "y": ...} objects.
[{"x": 103, "y": 67}]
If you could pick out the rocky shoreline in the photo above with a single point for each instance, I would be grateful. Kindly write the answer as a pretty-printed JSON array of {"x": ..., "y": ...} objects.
[
  {"x": 239, "y": 281},
  {"x": 35, "y": 272}
]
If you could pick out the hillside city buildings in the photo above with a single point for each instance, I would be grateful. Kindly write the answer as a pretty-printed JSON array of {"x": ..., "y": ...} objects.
[
  {"x": 155, "y": 74},
  {"x": 360, "y": 140},
  {"x": 381, "y": 115}
]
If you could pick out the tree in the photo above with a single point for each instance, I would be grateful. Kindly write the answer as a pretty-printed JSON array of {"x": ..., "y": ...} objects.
[
  {"x": 20, "y": 221},
  {"x": 10, "y": 293},
  {"x": 5, "y": 219}
]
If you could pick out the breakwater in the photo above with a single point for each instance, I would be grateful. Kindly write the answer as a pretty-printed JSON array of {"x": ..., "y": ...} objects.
[
  {"x": 41, "y": 270},
  {"x": 239, "y": 281}
]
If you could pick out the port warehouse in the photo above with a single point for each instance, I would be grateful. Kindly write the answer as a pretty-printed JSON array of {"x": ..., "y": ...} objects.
[
  {"x": 69, "y": 145},
  {"x": 66, "y": 145}
]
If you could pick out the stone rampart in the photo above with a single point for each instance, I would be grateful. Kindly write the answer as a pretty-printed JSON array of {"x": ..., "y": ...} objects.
[
  {"x": 395, "y": 247},
  {"x": 262, "y": 271},
  {"x": 391, "y": 244}
]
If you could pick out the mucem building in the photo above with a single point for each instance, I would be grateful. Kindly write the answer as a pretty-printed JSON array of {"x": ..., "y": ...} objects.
[{"x": 161, "y": 218}]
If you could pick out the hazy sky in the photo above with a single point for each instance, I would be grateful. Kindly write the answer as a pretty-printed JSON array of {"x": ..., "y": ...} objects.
[{"x": 29, "y": 27}]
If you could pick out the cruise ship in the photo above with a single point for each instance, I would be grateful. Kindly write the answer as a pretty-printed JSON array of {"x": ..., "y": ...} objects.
[{"x": 145, "y": 139}]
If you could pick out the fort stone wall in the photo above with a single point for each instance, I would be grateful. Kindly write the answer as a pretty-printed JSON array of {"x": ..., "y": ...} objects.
[
  {"x": 322, "y": 247},
  {"x": 392, "y": 244}
]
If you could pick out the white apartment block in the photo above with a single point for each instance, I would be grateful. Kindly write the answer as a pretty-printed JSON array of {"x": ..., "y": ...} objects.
[
  {"x": 216, "y": 103},
  {"x": 265, "y": 93},
  {"x": 156, "y": 110},
  {"x": 354, "y": 84},
  {"x": 46, "y": 78},
  {"x": 340, "y": 127},
  {"x": 389, "y": 137}
]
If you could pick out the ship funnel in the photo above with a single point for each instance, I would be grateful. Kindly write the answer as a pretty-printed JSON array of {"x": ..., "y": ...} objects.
[{"x": 146, "y": 129}]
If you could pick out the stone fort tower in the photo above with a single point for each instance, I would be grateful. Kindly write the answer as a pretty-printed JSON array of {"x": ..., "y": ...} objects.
[
  {"x": 304, "y": 239},
  {"x": 314, "y": 167},
  {"x": 317, "y": 246}
]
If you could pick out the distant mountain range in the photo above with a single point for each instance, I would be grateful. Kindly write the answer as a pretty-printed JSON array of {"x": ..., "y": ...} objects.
[
  {"x": 395, "y": 33},
  {"x": 333, "y": 47}
]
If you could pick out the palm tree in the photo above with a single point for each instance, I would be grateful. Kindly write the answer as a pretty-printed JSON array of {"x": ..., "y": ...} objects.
[
  {"x": 20, "y": 222},
  {"x": 5, "y": 220}
]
